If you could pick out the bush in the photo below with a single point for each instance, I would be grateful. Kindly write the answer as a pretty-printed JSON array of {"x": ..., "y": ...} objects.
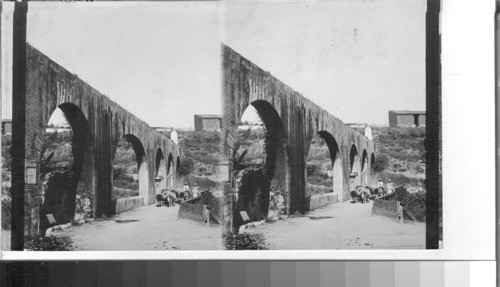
[
  {"x": 413, "y": 202},
  {"x": 320, "y": 179},
  {"x": 313, "y": 169},
  {"x": 187, "y": 166},
  {"x": 6, "y": 212},
  {"x": 244, "y": 241},
  {"x": 381, "y": 163},
  {"x": 119, "y": 172},
  {"x": 49, "y": 243}
]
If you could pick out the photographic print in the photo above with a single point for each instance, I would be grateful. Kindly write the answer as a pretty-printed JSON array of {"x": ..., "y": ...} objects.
[
  {"x": 112, "y": 94},
  {"x": 178, "y": 126},
  {"x": 325, "y": 102}
]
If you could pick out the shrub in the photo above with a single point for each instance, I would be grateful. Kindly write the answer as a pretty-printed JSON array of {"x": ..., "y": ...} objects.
[
  {"x": 244, "y": 241},
  {"x": 6, "y": 212},
  {"x": 313, "y": 169},
  {"x": 119, "y": 172},
  {"x": 187, "y": 166},
  {"x": 413, "y": 202},
  {"x": 49, "y": 243},
  {"x": 320, "y": 179},
  {"x": 381, "y": 163}
]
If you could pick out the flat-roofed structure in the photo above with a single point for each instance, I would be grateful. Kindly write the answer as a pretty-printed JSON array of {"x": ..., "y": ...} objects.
[
  {"x": 207, "y": 122},
  {"x": 406, "y": 118},
  {"x": 6, "y": 126}
]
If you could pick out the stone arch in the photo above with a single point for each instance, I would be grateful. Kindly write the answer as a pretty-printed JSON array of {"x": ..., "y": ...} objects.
[
  {"x": 178, "y": 165},
  {"x": 77, "y": 200},
  {"x": 142, "y": 165},
  {"x": 372, "y": 162},
  {"x": 364, "y": 169},
  {"x": 256, "y": 186},
  {"x": 354, "y": 167},
  {"x": 161, "y": 171},
  {"x": 170, "y": 180},
  {"x": 335, "y": 156}
]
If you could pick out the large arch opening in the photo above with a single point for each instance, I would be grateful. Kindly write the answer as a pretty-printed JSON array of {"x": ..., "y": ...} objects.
[
  {"x": 130, "y": 169},
  {"x": 178, "y": 165},
  {"x": 260, "y": 163},
  {"x": 170, "y": 172},
  {"x": 364, "y": 168},
  {"x": 66, "y": 167},
  {"x": 161, "y": 170},
  {"x": 354, "y": 165},
  {"x": 324, "y": 166},
  {"x": 372, "y": 171}
]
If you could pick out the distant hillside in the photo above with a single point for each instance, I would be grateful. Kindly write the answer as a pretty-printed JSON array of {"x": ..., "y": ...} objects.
[
  {"x": 201, "y": 157},
  {"x": 403, "y": 148}
]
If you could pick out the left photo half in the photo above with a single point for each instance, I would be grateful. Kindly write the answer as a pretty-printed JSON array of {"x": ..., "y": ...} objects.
[{"x": 111, "y": 122}]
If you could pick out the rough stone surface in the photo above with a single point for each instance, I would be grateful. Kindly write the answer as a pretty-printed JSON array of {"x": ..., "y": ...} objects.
[
  {"x": 291, "y": 121},
  {"x": 124, "y": 204},
  {"x": 320, "y": 200},
  {"x": 98, "y": 124}
]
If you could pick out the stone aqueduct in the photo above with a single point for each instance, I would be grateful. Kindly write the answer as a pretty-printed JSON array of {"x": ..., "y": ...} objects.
[
  {"x": 291, "y": 121},
  {"x": 98, "y": 125}
]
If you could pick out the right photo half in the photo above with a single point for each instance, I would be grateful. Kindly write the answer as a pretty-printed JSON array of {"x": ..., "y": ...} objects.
[{"x": 324, "y": 125}]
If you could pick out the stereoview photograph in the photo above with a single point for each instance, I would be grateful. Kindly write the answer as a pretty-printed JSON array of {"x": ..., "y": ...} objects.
[{"x": 213, "y": 126}]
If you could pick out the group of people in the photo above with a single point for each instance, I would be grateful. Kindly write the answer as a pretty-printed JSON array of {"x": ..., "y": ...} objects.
[
  {"x": 389, "y": 188},
  {"x": 365, "y": 193},
  {"x": 170, "y": 197}
]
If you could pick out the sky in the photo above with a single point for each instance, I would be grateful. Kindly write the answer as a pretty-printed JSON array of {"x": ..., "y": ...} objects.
[
  {"x": 161, "y": 60},
  {"x": 356, "y": 59}
]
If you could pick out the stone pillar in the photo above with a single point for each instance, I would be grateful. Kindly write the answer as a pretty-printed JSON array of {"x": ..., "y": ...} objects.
[
  {"x": 18, "y": 192},
  {"x": 227, "y": 209}
]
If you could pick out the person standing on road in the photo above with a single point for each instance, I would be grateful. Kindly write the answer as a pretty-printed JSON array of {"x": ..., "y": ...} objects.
[
  {"x": 380, "y": 183},
  {"x": 196, "y": 193},
  {"x": 186, "y": 190},
  {"x": 390, "y": 188}
]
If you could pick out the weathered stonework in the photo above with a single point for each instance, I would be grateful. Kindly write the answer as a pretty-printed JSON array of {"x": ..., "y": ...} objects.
[
  {"x": 98, "y": 124},
  {"x": 291, "y": 121}
]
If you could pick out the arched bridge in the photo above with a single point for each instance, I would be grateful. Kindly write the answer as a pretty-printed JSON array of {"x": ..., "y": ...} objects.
[
  {"x": 98, "y": 125},
  {"x": 291, "y": 121}
]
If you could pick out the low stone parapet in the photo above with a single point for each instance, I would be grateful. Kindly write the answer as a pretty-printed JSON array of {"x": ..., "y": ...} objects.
[
  {"x": 194, "y": 212},
  {"x": 321, "y": 200},
  {"x": 128, "y": 203},
  {"x": 388, "y": 208}
]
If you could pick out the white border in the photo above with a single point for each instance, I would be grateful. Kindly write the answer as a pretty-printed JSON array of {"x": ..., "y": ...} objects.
[{"x": 468, "y": 158}]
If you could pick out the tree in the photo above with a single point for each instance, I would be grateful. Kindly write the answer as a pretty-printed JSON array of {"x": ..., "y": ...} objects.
[
  {"x": 186, "y": 167},
  {"x": 381, "y": 163}
]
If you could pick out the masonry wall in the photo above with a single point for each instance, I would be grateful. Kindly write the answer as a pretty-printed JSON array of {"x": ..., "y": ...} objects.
[
  {"x": 244, "y": 83},
  {"x": 98, "y": 124}
]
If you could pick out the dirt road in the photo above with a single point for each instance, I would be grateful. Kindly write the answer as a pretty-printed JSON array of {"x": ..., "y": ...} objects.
[
  {"x": 342, "y": 226},
  {"x": 145, "y": 228},
  {"x": 339, "y": 226}
]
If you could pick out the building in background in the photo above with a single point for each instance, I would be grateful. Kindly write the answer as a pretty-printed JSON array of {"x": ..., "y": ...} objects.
[
  {"x": 6, "y": 126},
  {"x": 406, "y": 118},
  {"x": 207, "y": 122}
]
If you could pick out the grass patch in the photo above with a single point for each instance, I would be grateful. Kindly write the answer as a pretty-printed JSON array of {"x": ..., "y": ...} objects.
[
  {"x": 244, "y": 241},
  {"x": 49, "y": 243}
]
